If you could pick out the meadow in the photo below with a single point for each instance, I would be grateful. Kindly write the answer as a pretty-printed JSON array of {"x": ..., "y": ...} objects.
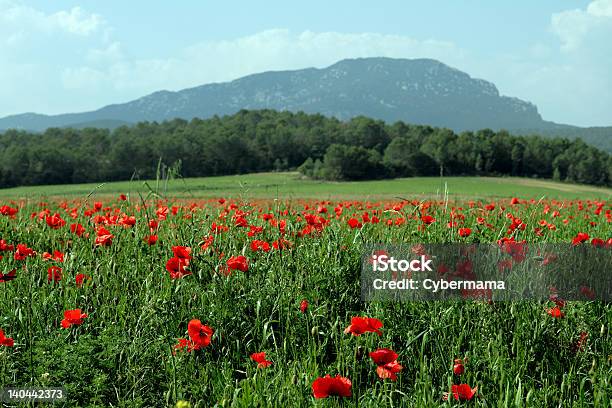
[
  {"x": 166, "y": 293},
  {"x": 290, "y": 185}
]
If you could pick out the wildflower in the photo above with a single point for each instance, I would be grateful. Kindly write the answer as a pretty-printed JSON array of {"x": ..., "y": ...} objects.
[
  {"x": 6, "y": 341},
  {"x": 151, "y": 239},
  {"x": 199, "y": 334},
  {"x": 77, "y": 229},
  {"x": 80, "y": 279},
  {"x": 54, "y": 273},
  {"x": 465, "y": 232},
  {"x": 103, "y": 237},
  {"x": 260, "y": 359},
  {"x": 458, "y": 367},
  {"x": 23, "y": 252},
  {"x": 354, "y": 223},
  {"x": 324, "y": 387},
  {"x": 57, "y": 256},
  {"x": 176, "y": 267},
  {"x": 462, "y": 392},
  {"x": 73, "y": 317},
  {"x": 580, "y": 238},
  {"x": 386, "y": 360},
  {"x": 237, "y": 262},
  {"x": 55, "y": 221},
  {"x": 303, "y": 306},
  {"x": 555, "y": 312},
  {"x": 360, "y": 325}
]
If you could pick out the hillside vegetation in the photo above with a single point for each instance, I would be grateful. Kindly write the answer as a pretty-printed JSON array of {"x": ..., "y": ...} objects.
[
  {"x": 290, "y": 185},
  {"x": 256, "y": 141}
]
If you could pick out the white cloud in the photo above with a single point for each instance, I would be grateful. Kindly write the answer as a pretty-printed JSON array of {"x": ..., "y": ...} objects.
[
  {"x": 17, "y": 16},
  {"x": 600, "y": 8},
  {"x": 76, "y": 21},
  {"x": 276, "y": 49},
  {"x": 72, "y": 60},
  {"x": 573, "y": 26}
]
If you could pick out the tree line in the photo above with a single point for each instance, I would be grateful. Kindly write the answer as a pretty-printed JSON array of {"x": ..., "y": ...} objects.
[{"x": 267, "y": 140}]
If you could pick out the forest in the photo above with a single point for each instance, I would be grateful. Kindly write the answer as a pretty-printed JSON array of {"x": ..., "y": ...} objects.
[{"x": 267, "y": 140}]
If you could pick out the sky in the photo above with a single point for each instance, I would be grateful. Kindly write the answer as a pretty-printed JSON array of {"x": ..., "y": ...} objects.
[{"x": 71, "y": 56}]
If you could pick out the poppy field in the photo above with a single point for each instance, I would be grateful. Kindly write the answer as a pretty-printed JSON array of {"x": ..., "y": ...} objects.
[{"x": 139, "y": 301}]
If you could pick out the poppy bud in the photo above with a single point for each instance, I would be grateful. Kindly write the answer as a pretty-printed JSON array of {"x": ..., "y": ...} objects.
[
  {"x": 359, "y": 353},
  {"x": 458, "y": 369}
]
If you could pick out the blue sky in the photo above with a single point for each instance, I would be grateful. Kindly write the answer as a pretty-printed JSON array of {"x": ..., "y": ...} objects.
[{"x": 66, "y": 56}]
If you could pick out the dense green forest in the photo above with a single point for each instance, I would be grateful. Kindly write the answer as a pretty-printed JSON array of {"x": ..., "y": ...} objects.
[{"x": 264, "y": 140}]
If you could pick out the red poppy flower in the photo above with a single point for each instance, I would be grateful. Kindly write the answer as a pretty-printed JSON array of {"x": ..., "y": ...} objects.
[
  {"x": 257, "y": 245},
  {"x": 218, "y": 228},
  {"x": 54, "y": 273},
  {"x": 199, "y": 334},
  {"x": 260, "y": 359},
  {"x": 55, "y": 221},
  {"x": 162, "y": 213},
  {"x": 555, "y": 312},
  {"x": 458, "y": 367},
  {"x": 184, "y": 344},
  {"x": 73, "y": 317},
  {"x": 360, "y": 325},
  {"x": 182, "y": 252},
  {"x": 8, "y": 211},
  {"x": 303, "y": 306},
  {"x": 580, "y": 238},
  {"x": 324, "y": 387},
  {"x": 386, "y": 360},
  {"x": 517, "y": 250},
  {"x": 77, "y": 229},
  {"x": 57, "y": 256},
  {"x": 354, "y": 223},
  {"x": 153, "y": 224},
  {"x": 6, "y": 341},
  {"x": 282, "y": 244},
  {"x": 462, "y": 392},
  {"x": 80, "y": 279},
  {"x": 176, "y": 267},
  {"x": 464, "y": 232},
  {"x": 103, "y": 237},
  {"x": 151, "y": 239},
  {"x": 22, "y": 252},
  {"x": 207, "y": 242},
  {"x": 427, "y": 219},
  {"x": 5, "y": 247},
  {"x": 238, "y": 262}
]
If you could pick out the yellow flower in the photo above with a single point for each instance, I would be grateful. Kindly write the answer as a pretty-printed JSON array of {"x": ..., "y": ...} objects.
[{"x": 183, "y": 404}]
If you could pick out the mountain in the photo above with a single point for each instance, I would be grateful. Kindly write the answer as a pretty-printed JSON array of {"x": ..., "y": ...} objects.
[{"x": 420, "y": 91}]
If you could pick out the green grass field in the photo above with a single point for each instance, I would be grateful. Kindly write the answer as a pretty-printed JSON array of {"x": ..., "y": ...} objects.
[
  {"x": 290, "y": 185},
  {"x": 140, "y": 306}
]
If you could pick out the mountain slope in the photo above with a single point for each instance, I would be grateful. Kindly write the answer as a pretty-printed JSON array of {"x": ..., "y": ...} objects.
[{"x": 420, "y": 91}]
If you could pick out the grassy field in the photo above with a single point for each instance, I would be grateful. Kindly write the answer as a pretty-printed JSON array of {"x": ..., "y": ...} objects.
[
  {"x": 290, "y": 185},
  {"x": 283, "y": 277}
]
